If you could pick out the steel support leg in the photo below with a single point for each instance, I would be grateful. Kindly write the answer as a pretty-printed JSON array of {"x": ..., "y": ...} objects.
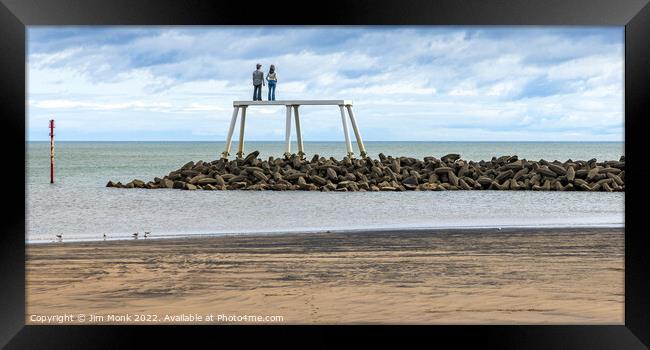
[
  {"x": 357, "y": 134},
  {"x": 242, "y": 126},
  {"x": 226, "y": 152},
  {"x": 348, "y": 145},
  {"x": 287, "y": 138},
  {"x": 301, "y": 150}
]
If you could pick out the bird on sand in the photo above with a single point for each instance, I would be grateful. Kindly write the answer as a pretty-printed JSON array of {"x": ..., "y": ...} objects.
[
  {"x": 59, "y": 236},
  {"x": 146, "y": 234},
  {"x": 135, "y": 235},
  {"x": 104, "y": 236}
]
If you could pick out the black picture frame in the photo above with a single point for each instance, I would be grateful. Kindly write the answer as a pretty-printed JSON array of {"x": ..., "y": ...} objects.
[{"x": 15, "y": 15}]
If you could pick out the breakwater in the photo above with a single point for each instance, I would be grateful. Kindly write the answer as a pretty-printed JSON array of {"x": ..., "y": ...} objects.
[{"x": 387, "y": 173}]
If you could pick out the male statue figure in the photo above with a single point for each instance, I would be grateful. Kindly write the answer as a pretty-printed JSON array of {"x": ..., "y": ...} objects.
[{"x": 258, "y": 82}]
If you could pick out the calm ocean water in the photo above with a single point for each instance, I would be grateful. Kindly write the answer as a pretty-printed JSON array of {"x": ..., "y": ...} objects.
[{"x": 79, "y": 206}]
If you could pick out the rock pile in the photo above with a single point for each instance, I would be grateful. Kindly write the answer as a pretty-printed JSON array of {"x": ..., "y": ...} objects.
[{"x": 391, "y": 174}]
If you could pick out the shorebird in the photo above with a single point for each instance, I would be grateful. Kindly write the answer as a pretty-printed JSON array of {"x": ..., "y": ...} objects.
[
  {"x": 104, "y": 236},
  {"x": 135, "y": 235},
  {"x": 59, "y": 236},
  {"x": 146, "y": 234}
]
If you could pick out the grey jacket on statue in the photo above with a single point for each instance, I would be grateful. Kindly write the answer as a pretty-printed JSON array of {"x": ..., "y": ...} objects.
[{"x": 258, "y": 77}]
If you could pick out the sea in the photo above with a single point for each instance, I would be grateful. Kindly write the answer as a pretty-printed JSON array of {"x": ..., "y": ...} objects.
[{"x": 81, "y": 208}]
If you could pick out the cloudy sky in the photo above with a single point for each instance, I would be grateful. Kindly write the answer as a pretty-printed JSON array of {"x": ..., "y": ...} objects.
[{"x": 407, "y": 83}]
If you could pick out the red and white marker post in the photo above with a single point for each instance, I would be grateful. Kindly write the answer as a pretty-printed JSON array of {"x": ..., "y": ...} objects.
[{"x": 51, "y": 151}]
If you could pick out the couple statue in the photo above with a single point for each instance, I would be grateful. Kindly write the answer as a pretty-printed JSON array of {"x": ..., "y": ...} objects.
[{"x": 258, "y": 82}]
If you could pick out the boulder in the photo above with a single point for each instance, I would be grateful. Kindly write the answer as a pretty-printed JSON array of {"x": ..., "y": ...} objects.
[
  {"x": 442, "y": 170},
  {"x": 166, "y": 183},
  {"x": 580, "y": 182},
  {"x": 619, "y": 165},
  {"x": 196, "y": 178},
  {"x": 586, "y": 187},
  {"x": 504, "y": 175},
  {"x": 294, "y": 176},
  {"x": 519, "y": 174},
  {"x": 464, "y": 184},
  {"x": 557, "y": 186},
  {"x": 296, "y": 162},
  {"x": 544, "y": 170},
  {"x": 376, "y": 171},
  {"x": 138, "y": 183},
  {"x": 237, "y": 185},
  {"x": 249, "y": 158},
  {"x": 206, "y": 181},
  {"x": 453, "y": 179},
  {"x": 593, "y": 172},
  {"x": 470, "y": 181},
  {"x": 570, "y": 174},
  {"x": 220, "y": 180},
  {"x": 188, "y": 165},
  {"x": 464, "y": 170},
  {"x": 610, "y": 171},
  {"x": 503, "y": 159},
  {"x": 331, "y": 174},
  {"x": 452, "y": 157},
  {"x": 257, "y": 187},
  {"x": 411, "y": 181},
  {"x": 318, "y": 180},
  {"x": 237, "y": 178},
  {"x": 515, "y": 166},
  {"x": 260, "y": 175},
  {"x": 251, "y": 169},
  {"x": 396, "y": 166},
  {"x": 484, "y": 181},
  {"x": 513, "y": 184},
  {"x": 189, "y": 173},
  {"x": 616, "y": 178},
  {"x": 279, "y": 187},
  {"x": 179, "y": 184},
  {"x": 606, "y": 187},
  {"x": 557, "y": 169}
]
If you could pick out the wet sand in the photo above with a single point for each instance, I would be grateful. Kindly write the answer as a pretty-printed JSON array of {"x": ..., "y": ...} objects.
[{"x": 486, "y": 276}]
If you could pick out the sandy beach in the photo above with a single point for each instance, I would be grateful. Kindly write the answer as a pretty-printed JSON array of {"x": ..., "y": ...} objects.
[{"x": 482, "y": 276}]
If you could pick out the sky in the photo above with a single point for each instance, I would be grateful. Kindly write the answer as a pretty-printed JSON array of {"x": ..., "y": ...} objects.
[{"x": 421, "y": 83}]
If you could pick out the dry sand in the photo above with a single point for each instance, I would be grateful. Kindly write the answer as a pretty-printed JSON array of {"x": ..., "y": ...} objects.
[{"x": 513, "y": 276}]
